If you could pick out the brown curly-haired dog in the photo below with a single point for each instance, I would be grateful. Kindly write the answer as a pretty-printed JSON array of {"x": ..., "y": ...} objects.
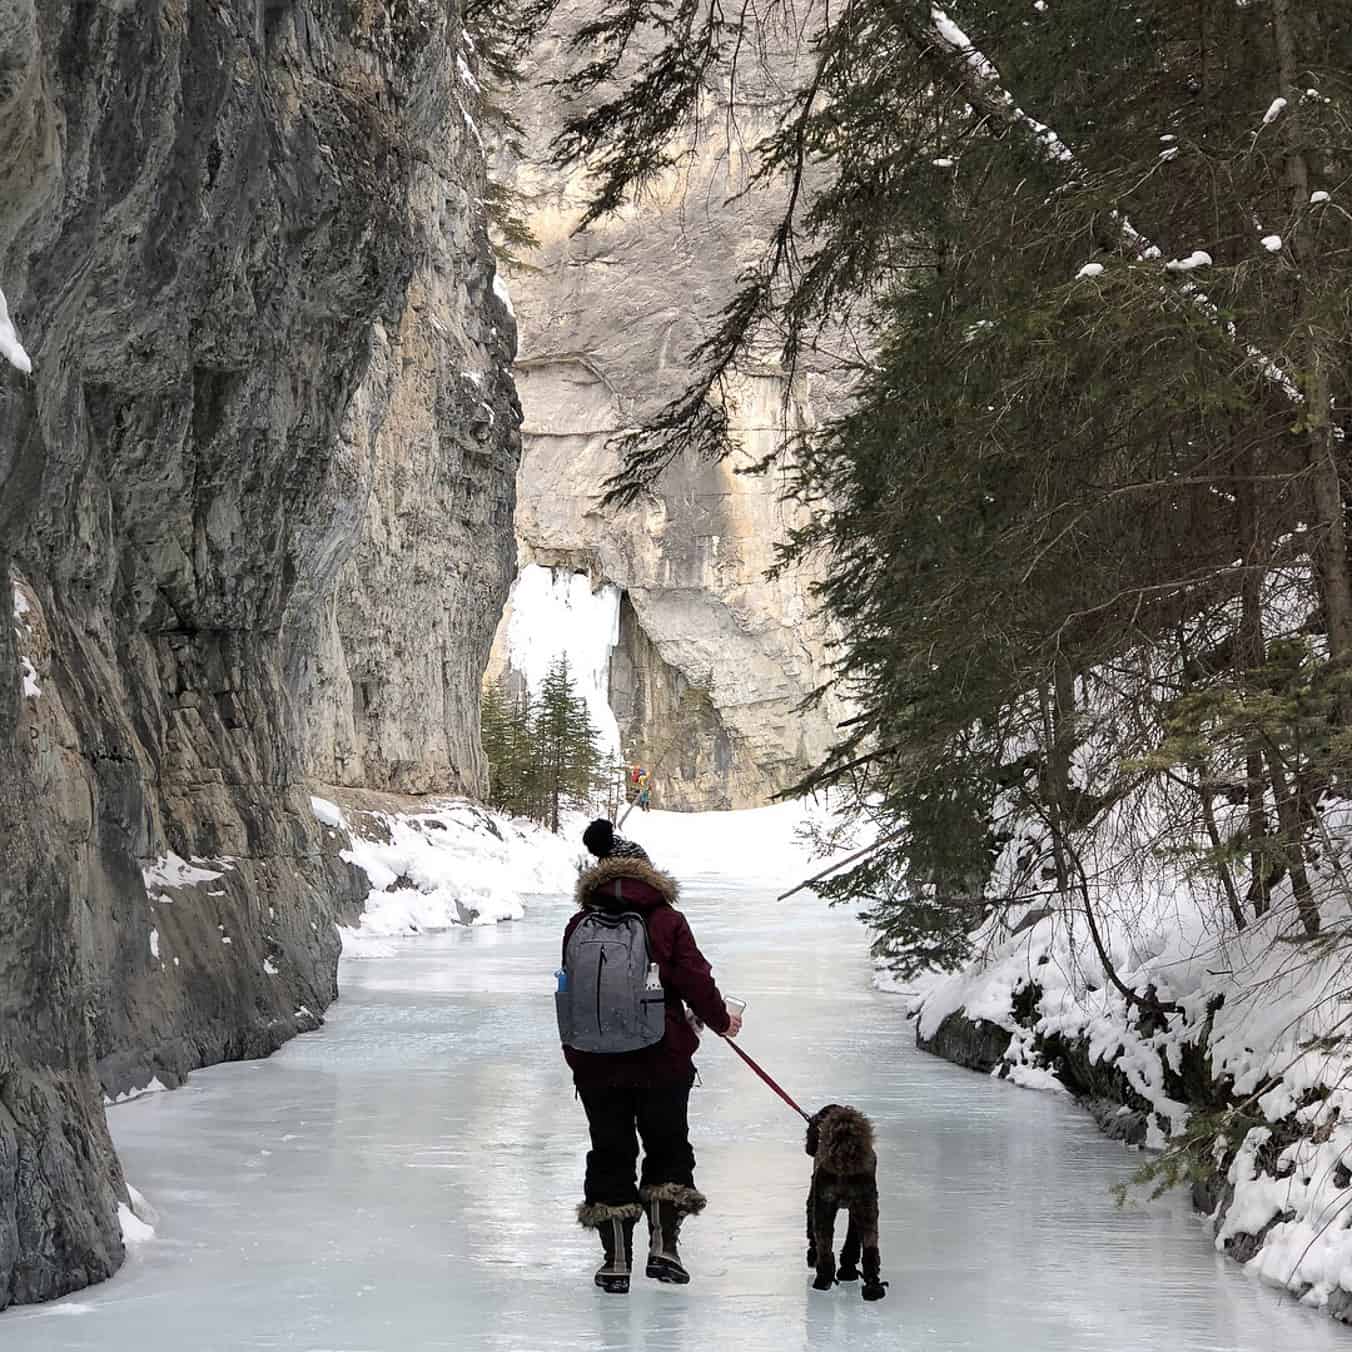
[{"x": 844, "y": 1174}]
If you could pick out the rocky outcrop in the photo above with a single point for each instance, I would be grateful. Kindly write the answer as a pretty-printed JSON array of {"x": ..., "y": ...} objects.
[
  {"x": 607, "y": 318},
  {"x": 270, "y": 421},
  {"x": 391, "y": 685}
]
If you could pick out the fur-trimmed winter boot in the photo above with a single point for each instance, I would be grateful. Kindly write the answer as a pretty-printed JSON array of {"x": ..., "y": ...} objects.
[
  {"x": 615, "y": 1225},
  {"x": 668, "y": 1204}
]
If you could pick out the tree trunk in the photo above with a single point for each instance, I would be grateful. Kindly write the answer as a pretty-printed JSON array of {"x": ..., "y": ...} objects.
[
  {"x": 1250, "y": 653},
  {"x": 1325, "y": 477},
  {"x": 1053, "y": 789},
  {"x": 1214, "y": 835},
  {"x": 1288, "y": 815}
]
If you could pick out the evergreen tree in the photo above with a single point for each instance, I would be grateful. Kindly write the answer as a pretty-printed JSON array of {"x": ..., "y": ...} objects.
[
  {"x": 1083, "y": 520},
  {"x": 543, "y": 756},
  {"x": 565, "y": 745}
]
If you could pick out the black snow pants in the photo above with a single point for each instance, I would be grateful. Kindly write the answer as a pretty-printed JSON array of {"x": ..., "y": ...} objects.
[{"x": 619, "y": 1117}]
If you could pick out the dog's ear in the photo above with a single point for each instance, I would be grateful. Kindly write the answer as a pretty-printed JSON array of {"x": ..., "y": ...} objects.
[{"x": 814, "y": 1126}]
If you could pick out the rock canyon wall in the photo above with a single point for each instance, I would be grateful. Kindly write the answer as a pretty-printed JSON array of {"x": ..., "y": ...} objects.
[
  {"x": 607, "y": 318},
  {"x": 254, "y": 507}
]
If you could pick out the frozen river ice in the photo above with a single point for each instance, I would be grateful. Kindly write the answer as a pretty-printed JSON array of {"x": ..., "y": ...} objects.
[{"x": 404, "y": 1180}]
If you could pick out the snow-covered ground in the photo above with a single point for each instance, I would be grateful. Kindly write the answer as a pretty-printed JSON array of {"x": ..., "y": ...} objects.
[
  {"x": 433, "y": 865},
  {"x": 1273, "y": 1015},
  {"x": 404, "y": 1179},
  {"x": 437, "y": 864}
]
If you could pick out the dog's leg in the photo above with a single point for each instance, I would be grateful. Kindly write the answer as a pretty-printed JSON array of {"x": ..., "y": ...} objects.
[
  {"x": 824, "y": 1225},
  {"x": 867, "y": 1216},
  {"x": 811, "y": 1222},
  {"x": 849, "y": 1254}
]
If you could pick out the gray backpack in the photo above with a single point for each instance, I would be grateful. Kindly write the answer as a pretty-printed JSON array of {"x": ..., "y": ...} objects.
[{"x": 613, "y": 999}]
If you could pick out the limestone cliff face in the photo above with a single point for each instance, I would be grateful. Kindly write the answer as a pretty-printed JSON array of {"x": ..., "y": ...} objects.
[
  {"x": 606, "y": 320},
  {"x": 244, "y": 502},
  {"x": 712, "y": 659}
]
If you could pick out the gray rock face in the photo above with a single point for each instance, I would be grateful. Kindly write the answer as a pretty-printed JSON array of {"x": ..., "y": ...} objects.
[
  {"x": 607, "y": 319},
  {"x": 246, "y": 504}
]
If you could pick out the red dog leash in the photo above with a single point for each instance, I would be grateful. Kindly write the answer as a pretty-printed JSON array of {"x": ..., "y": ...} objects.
[{"x": 767, "y": 1079}]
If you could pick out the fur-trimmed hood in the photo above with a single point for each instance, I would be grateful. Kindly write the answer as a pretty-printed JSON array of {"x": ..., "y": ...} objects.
[{"x": 592, "y": 884}]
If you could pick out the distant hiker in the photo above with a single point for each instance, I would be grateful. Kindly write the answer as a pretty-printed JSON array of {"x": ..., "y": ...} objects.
[
  {"x": 630, "y": 965},
  {"x": 644, "y": 788},
  {"x": 601, "y": 840}
]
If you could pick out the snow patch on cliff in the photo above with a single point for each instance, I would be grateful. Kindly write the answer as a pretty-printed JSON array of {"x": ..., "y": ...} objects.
[
  {"x": 170, "y": 872},
  {"x": 11, "y": 349}
]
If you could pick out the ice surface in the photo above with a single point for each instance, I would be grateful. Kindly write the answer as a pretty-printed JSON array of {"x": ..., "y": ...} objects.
[{"x": 403, "y": 1180}]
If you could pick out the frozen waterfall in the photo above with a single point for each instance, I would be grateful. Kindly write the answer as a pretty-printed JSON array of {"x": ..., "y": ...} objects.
[{"x": 553, "y": 613}]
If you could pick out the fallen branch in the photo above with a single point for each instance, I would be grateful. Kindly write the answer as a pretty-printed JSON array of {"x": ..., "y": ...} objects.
[{"x": 843, "y": 863}]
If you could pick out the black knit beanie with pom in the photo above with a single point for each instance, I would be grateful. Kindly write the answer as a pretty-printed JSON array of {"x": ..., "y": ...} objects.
[{"x": 599, "y": 837}]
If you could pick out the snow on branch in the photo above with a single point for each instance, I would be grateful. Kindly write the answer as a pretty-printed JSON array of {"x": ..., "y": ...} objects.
[
  {"x": 1275, "y": 110},
  {"x": 984, "y": 90},
  {"x": 10, "y": 346}
]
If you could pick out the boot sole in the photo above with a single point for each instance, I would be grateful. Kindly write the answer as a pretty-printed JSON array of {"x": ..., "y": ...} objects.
[
  {"x": 615, "y": 1286},
  {"x": 671, "y": 1276}
]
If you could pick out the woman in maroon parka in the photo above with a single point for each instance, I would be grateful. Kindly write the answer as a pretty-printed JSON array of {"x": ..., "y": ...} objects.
[{"x": 643, "y": 1094}]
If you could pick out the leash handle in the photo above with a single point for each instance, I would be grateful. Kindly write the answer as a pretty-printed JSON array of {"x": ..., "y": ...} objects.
[{"x": 767, "y": 1079}]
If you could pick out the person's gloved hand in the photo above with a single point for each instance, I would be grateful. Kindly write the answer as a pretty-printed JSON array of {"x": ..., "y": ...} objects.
[{"x": 735, "y": 1026}]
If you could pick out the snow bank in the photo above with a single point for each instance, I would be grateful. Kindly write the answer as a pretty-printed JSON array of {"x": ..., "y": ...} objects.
[
  {"x": 455, "y": 863},
  {"x": 766, "y": 846},
  {"x": 1242, "y": 1035},
  {"x": 555, "y": 613},
  {"x": 446, "y": 863},
  {"x": 154, "y": 1087},
  {"x": 1271, "y": 1015},
  {"x": 134, "y": 1230}
]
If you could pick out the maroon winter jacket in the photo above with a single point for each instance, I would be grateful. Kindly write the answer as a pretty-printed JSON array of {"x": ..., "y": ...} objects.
[{"x": 634, "y": 885}]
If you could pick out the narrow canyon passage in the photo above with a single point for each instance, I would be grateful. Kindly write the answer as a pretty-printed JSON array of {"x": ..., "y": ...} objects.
[{"x": 405, "y": 1178}]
